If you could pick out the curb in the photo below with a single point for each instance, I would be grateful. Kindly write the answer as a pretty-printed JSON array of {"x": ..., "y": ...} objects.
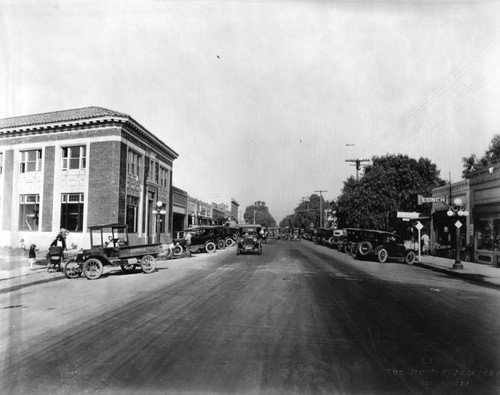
[
  {"x": 29, "y": 284},
  {"x": 475, "y": 278}
]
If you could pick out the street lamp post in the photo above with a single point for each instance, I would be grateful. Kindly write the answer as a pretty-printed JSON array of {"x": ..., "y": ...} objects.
[
  {"x": 157, "y": 212},
  {"x": 457, "y": 209}
]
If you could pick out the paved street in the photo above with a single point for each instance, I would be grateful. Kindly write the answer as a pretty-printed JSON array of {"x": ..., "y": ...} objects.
[{"x": 299, "y": 319}]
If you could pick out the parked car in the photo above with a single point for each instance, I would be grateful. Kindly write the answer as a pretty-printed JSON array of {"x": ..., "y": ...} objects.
[
  {"x": 204, "y": 238},
  {"x": 368, "y": 243},
  {"x": 250, "y": 239}
]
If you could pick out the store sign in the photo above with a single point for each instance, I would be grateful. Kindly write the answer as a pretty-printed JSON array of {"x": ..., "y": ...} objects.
[
  {"x": 423, "y": 199},
  {"x": 409, "y": 215}
]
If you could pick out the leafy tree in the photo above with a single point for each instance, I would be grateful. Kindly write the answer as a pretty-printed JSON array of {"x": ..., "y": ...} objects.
[
  {"x": 260, "y": 212},
  {"x": 491, "y": 156},
  {"x": 391, "y": 183},
  {"x": 307, "y": 213}
]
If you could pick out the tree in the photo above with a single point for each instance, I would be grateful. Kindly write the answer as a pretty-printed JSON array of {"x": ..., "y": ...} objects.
[
  {"x": 391, "y": 183},
  {"x": 258, "y": 213},
  {"x": 491, "y": 156},
  {"x": 306, "y": 213}
]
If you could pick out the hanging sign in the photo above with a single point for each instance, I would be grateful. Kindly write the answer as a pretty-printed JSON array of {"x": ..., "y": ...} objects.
[{"x": 423, "y": 199}]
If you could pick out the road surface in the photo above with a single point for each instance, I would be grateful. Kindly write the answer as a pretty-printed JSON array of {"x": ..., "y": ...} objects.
[{"x": 299, "y": 319}]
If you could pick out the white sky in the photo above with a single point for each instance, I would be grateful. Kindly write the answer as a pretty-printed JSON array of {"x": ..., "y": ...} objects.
[{"x": 260, "y": 98}]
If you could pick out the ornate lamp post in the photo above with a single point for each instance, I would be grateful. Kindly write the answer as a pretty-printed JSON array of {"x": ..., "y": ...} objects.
[
  {"x": 158, "y": 211},
  {"x": 457, "y": 209}
]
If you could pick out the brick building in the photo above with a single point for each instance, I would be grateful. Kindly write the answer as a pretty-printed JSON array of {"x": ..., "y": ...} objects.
[{"x": 78, "y": 168}]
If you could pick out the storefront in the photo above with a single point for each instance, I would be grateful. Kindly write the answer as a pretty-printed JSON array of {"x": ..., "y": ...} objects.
[
  {"x": 446, "y": 223},
  {"x": 485, "y": 197}
]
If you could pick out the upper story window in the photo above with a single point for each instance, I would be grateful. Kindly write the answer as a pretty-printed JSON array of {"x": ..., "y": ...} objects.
[
  {"x": 31, "y": 161},
  {"x": 74, "y": 158},
  {"x": 134, "y": 164},
  {"x": 151, "y": 172},
  {"x": 164, "y": 179}
]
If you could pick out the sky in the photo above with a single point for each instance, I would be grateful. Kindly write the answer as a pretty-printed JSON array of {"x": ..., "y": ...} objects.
[{"x": 266, "y": 100}]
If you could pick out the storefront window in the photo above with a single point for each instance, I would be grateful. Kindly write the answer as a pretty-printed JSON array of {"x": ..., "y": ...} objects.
[
  {"x": 132, "y": 213},
  {"x": 29, "y": 208},
  {"x": 488, "y": 234},
  {"x": 72, "y": 211}
]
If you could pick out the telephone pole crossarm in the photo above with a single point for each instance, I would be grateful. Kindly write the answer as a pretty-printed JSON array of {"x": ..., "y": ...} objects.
[{"x": 357, "y": 163}]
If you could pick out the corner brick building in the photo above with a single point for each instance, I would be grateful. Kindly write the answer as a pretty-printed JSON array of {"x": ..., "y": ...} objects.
[{"x": 78, "y": 168}]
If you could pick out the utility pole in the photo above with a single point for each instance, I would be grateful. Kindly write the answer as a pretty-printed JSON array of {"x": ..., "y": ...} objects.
[
  {"x": 357, "y": 164},
  {"x": 254, "y": 216},
  {"x": 321, "y": 207}
]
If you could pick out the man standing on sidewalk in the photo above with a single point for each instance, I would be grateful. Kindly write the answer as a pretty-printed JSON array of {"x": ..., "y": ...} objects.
[
  {"x": 187, "y": 239},
  {"x": 425, "y": 243}
]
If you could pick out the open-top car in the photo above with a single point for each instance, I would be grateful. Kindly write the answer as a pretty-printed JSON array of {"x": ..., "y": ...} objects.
[
  {"x": 109, "y": 245},
  {"x": 368, "y": 243},
  {"x": 250, "y": 239}
]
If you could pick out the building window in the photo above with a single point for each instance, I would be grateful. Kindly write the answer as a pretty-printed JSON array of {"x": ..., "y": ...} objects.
[
  {"x": 72, "y": 211},
  {"x": 29, "y": 208},
  {"x": 132, "y": 210},
  {"x": 164, "y": 180},
  {"x": 152, "y": 175},
  {"x": 488, "y": 234},
  {"x": 134, "y": 164},
  {"x": 31, "y": 161},
  {"x": 74, "y": 158}
]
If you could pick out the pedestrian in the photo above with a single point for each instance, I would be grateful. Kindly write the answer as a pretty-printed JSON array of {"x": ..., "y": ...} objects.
[
  {"x": 425, "y": 243},
  {"x": 187, "y": 240},
  {"x": 60, "y": 242},
  {"x": 32, "y": 256}
]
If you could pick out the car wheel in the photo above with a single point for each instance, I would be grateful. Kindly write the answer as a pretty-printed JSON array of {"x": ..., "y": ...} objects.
[
  {"x": 178, "y": 250},
  {"x": 382, "y": 255},
  {"x": 363, "y": 249},
  {"x": 210, "y": 247},
  {"x": 410, "y": 258},
  {"x": 221, "y": 244},
  {"x": 229, "y": 242},
  {"x": 92, "y": 268}
]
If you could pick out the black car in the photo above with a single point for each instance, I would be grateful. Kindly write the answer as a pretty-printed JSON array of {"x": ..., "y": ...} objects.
[
  {"x": 368, "y": 243},
  {"x": 250, "y": 239},
  {"x": 203, "y": 238}
]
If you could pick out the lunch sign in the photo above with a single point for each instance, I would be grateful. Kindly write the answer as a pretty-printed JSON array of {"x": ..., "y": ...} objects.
[{"x": 422, "y": 199}]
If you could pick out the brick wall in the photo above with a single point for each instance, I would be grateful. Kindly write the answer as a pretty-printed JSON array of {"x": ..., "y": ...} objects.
[
  {"x": 48, "y": 189},
  {"x": 104, "y": 182}
]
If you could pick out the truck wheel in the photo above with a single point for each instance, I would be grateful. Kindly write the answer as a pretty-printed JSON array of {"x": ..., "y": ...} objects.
[
  {"x": 210, "y": 247},
  {"x": 72, "y": 269},
  {"x": 229, "y": 242},
  {"x": 92, "y": 268},
  {"x": 148, "y": 263},
  {"x": 382, "y": 255}
]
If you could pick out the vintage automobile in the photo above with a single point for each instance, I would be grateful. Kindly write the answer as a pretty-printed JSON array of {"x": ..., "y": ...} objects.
[
  {"x": 295, "y": 234},
  {"x": 204, "y": 238},
  {"x": 250, "y": 239},
  {"x": 368, "y": 243},
  {"x": 322, "y": 235},
  {"x": 336, "y": 239},
  {"x": 115, "y": 252}
]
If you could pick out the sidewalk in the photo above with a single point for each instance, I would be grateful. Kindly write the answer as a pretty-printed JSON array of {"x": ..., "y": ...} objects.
[
  {"x": 487, "y": 275},
  {"x": 15, "y": 273}
]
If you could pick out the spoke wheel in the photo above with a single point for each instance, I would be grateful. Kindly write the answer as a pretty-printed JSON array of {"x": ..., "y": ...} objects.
[
  {"x": 178, "y": 250},
  {"x": 72, "y": 269},
  {"x": 92, "y": 268},
  {"x": 221, "y": 244},
  {"x": 210, "y": 247},
  {"x": 229, "y": 242},
  {"x": 382, "y": 255},
  {"x": 410, "y": 258},
  {"x": 148, "y": 263}
]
